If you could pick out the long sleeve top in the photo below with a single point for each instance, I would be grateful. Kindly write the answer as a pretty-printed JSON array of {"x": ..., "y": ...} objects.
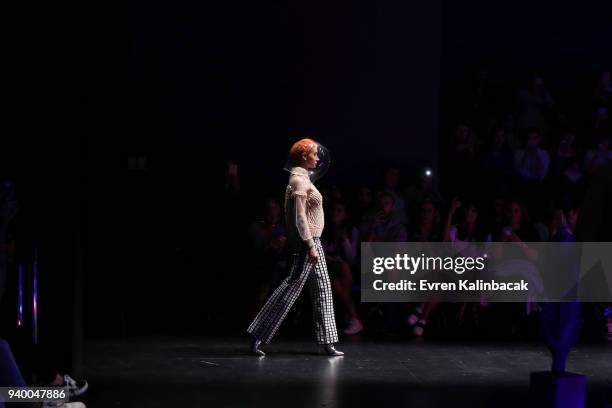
[{"x": 303, "y": 208}]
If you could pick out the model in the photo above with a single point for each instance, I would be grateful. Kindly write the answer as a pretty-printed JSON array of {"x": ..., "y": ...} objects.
[{"x": 308, "y": 161}]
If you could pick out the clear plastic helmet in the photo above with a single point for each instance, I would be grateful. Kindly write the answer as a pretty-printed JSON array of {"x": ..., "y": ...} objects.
[{"x": 301, "y": 155}]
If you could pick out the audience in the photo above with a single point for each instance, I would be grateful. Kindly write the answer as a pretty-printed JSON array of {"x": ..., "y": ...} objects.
[
  {"x": 341, "y": 242},
  {"x": 504, "y": 180}
]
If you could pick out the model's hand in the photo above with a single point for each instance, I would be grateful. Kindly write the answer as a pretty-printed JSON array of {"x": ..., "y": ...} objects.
[{"x": 313, "y": 256}]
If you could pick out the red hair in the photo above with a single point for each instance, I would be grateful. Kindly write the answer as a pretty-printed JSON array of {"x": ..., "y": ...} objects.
[{"x": 300, "y": 148}]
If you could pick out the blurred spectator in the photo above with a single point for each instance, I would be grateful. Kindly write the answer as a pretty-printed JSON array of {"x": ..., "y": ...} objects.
[
  {"x": 532, "y": 162},
  {"x": 464, "y": 158},
  {"x": 496, "y": 160},
  {"x": 563, "y": 225},
  {"x": 384, "y": 227},
  {"x": 425, "y": 189},
  {"x": 268, "y": 240},
  {"x": 341, "y": 241},
  {"x": 366, "y": 206},
  {"x": 564, "y": 154},
  {"x": 534, "y": 103},
  {"x": 599, "y": 156},
  {"x": 427, "y": 227},
  {"x": 470, "y": 227},
  {"x": 518, "y": 226},
  {"x": 392, "y": 187}
]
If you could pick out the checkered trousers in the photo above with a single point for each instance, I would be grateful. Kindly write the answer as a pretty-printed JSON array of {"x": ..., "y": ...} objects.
[{"x": 270, "y": 317}]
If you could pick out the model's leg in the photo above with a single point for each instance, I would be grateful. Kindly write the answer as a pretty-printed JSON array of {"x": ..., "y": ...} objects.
[
  {"x": 266, "y": 323},
  {"x": 322, "y": 300}
]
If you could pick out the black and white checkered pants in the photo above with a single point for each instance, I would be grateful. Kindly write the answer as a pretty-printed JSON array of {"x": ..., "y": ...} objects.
[{"x": 270, "y": 317}]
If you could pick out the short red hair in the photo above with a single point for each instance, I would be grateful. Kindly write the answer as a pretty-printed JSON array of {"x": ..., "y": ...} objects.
[{"x": 300, "y": 148}]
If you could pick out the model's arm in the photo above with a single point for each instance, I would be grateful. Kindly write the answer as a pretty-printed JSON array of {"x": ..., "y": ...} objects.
[{"x": 299, "y": 195}]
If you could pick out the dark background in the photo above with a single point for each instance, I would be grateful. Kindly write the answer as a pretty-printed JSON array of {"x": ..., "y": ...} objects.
[{"x": 212, "y": 81}]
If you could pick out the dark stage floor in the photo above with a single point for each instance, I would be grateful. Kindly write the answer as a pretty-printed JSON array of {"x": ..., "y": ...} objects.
[{"x": 205, "y": 372}]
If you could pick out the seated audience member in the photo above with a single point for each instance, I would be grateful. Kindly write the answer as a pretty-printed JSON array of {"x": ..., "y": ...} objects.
[
  {"x": 392, "y": 187},
  {"x": 268, "y": 240},
  {"x": 564, "y": 154},
  {"x": 496, "y": 159},
  {"x": 426, "y": 229},
  {"x": 341, "y": 241},
  {"x": 531, "y": 163},
  {"x": 599, "y": 156},
  {"x": 384, "y": 227}
]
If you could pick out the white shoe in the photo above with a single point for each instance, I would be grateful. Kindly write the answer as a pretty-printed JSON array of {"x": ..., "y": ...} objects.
[
  {"x": 75, "y": 387},
  {"x": 354, "y": 327}
]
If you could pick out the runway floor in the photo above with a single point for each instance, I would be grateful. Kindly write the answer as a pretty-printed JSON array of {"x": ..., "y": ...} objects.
[{"x": 218, "y": 372}]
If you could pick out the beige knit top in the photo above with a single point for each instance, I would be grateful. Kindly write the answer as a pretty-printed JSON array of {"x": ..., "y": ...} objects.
[{"x": 303, "y": 208}]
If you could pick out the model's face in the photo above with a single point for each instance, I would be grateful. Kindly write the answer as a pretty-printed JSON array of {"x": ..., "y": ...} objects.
[{"x": 311, "y": 159}]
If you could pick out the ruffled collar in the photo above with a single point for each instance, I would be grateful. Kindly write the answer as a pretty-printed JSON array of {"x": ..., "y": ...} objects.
[{"x": 299, "y": 171}]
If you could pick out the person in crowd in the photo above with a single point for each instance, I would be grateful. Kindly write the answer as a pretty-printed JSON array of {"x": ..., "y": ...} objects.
[
  {"x": 563, "y": 225},
  {"x": 520, "y": 257},
  {"x": 531, "y": 163},
  {"x": 496, "y": 159},
  {"x": 468, "y": 230},
  {"x": 464, "y": 158},
  {"x": 426, "y": 229},
  {"x": 384, "y": 227},
  {"x": 599, "y": 156},
  {"x": 425, "y": 189},
  {"x": 392, "y": 187},
  {"x": 340, "y": 243},
  {"x": 268, "y": 242},
  {"x": 564, "y": 154},
  {"x": 365, "y": 208},
  {"x": 534, "y": 103}
]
